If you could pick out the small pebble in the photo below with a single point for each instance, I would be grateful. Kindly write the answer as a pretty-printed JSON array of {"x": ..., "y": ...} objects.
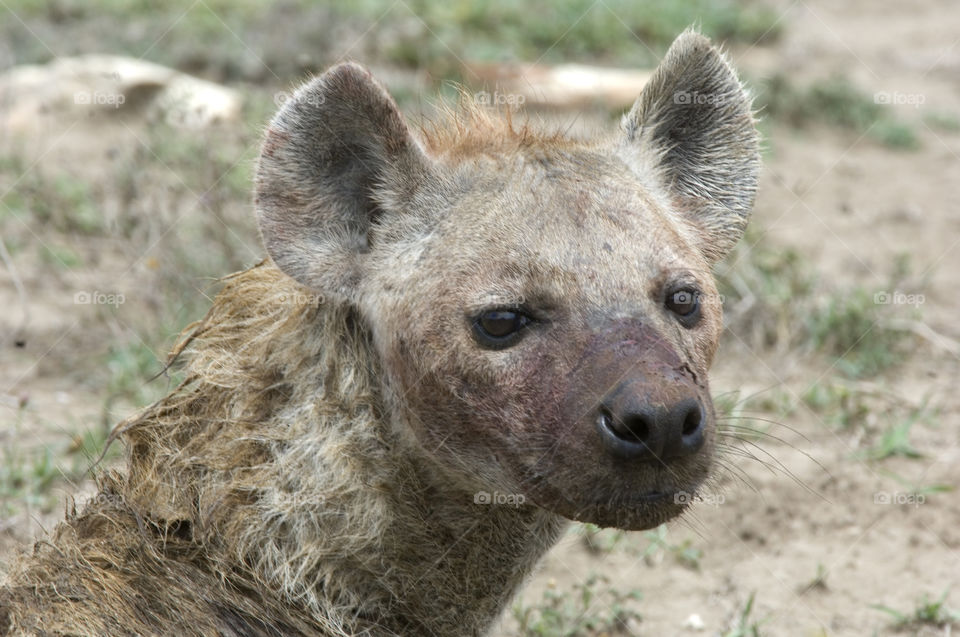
[{"x": 694, "y": 622}]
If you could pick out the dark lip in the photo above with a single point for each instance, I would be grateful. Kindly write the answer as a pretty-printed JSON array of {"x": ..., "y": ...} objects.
[
  {"x": 637, "y": 512},
  {"x": 677, "y": 499},
  {"x": 662, "y": 498},
  {"x": 642, "y": 507}
]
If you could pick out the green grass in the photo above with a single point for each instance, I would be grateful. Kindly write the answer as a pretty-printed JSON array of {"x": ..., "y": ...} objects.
[
  {"x": 740, "y": 415},
  {"x": 60, "y": 256},
  {"x": 918, "y": 489},
  {"x": 743, "y": 625},
  {"x": 600, "y": 541},
  {"x": 773, "y": 301},
  {"x": 944, "y": 122},
  {"x": 219, "y": 173},
  {"x": 762, "y": 286},
  {"x": 817, "y": 582},
  {"x": 927, "y": 612},
  {"x": 181, "y": 218},
  {"x": 835, "y": 101},
  {"x": 839, "y": 404},
  {"x": 239, "y": 41},
  {"x": 130, "y": 366},
  {"x": 895, "y": 440},
  {"x": 684, "y": 553},
  {"x": 895, "y": 134},
  {"x": 57, "y": 201},
  {"x": 847, "y": 325},
  {"x": 31, "y": 473},
  {"x": 776, "y": 401},
  {"x": 883, "y": 416},
  {"x": 658, "y": 545},
  {"x": 588, "y": 609},
  {"x": 25, "y": 479},
  {"x": 627, "y": 32}
]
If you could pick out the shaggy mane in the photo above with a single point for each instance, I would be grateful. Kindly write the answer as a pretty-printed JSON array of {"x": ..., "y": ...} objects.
[{"x": 237, "y": 440}]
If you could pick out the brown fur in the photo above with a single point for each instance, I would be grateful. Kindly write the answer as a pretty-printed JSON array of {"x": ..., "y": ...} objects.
[{"x": 318, "y": 470}]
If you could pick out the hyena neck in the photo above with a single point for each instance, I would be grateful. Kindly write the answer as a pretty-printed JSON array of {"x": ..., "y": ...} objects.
[
  {"x": 452, "y": 554},
  {"x": 406, "y": 551},
  {"x": 451, "y": 565}
]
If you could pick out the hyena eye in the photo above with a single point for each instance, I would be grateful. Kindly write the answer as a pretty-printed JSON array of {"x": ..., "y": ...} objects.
[
  {"x": 496, "y": 329},
  {"x": 684, "y": 302}
]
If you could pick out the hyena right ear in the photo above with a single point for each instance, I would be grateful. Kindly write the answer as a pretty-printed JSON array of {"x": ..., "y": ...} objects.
[
  {"x": 693, "y": 130},
  {"x": 336, "y": 157}
]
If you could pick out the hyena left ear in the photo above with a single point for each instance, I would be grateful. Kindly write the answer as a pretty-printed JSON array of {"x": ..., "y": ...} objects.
[
  {"x": 337, "y": 158},
  {"x": 693, "y": 128}
]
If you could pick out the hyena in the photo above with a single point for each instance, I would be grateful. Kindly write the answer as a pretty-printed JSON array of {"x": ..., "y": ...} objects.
[{"x": 465, "y": 335}]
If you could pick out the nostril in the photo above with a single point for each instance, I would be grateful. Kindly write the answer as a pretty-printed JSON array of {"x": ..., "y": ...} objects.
[
  {"x": 633, "y": 428},
  {"x": 630, "y": 436},
  {"x": 692, "y": 420}
]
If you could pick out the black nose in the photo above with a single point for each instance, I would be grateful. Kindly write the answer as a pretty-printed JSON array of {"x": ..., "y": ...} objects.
[{"x": 637, "y": 428}]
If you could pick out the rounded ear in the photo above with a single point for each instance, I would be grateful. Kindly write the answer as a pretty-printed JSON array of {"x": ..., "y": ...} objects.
[
  {"x": 693, "y": 128},
  {"x": 336, "y": 156}
]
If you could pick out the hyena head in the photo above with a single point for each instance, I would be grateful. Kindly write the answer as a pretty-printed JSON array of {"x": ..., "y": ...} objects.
[{"x": 543, "y": 309}]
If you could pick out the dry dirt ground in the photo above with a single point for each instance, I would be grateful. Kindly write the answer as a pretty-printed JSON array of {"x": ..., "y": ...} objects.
[{"x": 813, "y": 530}]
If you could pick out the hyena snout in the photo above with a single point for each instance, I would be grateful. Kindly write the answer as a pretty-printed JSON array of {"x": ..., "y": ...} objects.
[
  {"x": 648, "y": 407},
  {"x": 640, "y": 427}
]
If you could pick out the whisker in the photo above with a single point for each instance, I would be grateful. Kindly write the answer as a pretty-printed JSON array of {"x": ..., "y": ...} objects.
[
  {"x": 726, "y": 432},
  {"x": 736, "y": 473},
  {"x": 786, "y": 471},
  {"x": 732, "y": 450},
  {"x": 691, "y": 521},
  {"x": 743, "y": 432},
  {"x": 746, "y": 399},
  {"x": 766, "y": 420}
]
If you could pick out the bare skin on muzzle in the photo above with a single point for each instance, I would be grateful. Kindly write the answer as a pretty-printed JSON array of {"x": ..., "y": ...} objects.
[{"x": 635, "y": 424}]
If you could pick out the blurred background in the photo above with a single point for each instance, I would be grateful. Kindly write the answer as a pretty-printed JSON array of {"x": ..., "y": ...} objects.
[{"x": 128, "y": 132}]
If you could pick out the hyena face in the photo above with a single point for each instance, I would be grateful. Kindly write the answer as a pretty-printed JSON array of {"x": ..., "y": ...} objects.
[{"x": 544, "y": 309}]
